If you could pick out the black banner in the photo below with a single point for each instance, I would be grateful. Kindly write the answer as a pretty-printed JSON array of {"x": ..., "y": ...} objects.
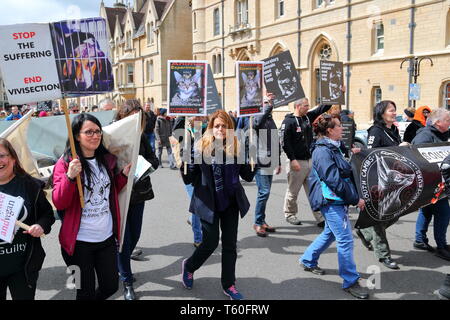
[
  {"x": 282, "y": 79},
  {"x": 213, "y": 102},
  {"x": 331, "y": 82},
  {"x": 396, "y": 181}
]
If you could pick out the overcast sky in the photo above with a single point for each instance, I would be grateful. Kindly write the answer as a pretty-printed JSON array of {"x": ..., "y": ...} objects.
[{"x": 29, "y": 11}]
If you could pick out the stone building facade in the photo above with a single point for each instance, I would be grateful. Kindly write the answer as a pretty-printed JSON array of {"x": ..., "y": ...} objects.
[{"x": 371, "y": 38}]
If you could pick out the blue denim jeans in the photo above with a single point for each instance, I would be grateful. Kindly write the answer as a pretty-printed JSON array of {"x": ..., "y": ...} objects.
[
  {"x": 264, "y": 183},
  {"x": 337, "y": 227},
  {"x": 441, "y": 212},
  {"x": 130, "y": 239},
  {"x": 194, "y": 219},
  {"x": 151, "y": 140}
]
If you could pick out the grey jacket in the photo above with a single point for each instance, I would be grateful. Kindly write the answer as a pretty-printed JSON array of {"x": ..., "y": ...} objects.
[{"x": 163, "y": 130}]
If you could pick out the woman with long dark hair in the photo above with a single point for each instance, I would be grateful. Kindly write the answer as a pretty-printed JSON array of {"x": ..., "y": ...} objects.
[
  {"x": 22, "y": 259},
  {"x": 218, "y": 198},
  {"x": 89, "y": 235},
  {"x": 383, "y": 133},
  {"x": 142, "y": 191}
]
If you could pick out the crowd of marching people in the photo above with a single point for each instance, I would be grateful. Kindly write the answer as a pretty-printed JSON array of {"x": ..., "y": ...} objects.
[{"x": 211, "y": 170}]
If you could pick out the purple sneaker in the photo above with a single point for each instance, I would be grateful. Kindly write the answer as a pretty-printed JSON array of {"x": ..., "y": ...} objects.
[
  {"x": 233, "y": 293},
  {"x": 188, "y": 277}
]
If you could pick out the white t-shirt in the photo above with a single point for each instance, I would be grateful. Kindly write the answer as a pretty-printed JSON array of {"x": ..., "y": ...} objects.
[{"x": 96, "y": 218}]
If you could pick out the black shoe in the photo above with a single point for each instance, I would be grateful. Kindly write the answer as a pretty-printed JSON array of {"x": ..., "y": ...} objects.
[
  {"x": 423, "y": 246},
  {"x": 391, "y": 264},
  {"x": 443, "y": 253},
  {"x": 136, "y": 255},
  {"x": 128, "y": 291},
  {"x": 357, "y": 291},
  {"x": 365, "y": 243},
  {"x": 321, "y": 224},
  {"x": 315, "y": 270}
]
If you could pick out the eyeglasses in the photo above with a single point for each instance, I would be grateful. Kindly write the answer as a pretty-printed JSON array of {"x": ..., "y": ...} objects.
[
  {"x": 75, "y": 110},
  {"x": 425, "y": 112},
  {"x": 3, "y": 155},
  {"x": 90, "y": 133}
]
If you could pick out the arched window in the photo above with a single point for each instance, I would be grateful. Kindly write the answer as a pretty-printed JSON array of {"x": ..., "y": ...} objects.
[
  {"x": 151, "y": 71},
  {"x": 446, "y": 96},
  {"x": 214, "y": 69},
  {"x": 194, "y": 21},
  {"x": 216, "y": 19},
  {"x": 219, "y": 63},
  {"x": 447, "y": 30}
]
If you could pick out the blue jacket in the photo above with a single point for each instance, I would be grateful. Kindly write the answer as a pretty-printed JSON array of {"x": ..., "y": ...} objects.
[
  {"x": 203, "y": 196},
  {"x": 332, "y": 168}
]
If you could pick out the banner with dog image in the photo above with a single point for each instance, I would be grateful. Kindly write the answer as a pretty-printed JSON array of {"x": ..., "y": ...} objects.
[
  {"x": 249, "y": 87},
  {"x": 282, "y": 79},
  {"x": 396, "y": 181},
  {"x": 41, "y": 62},
  {"x": 331, "y": 78},
  {"x": 187, "y": 89}
]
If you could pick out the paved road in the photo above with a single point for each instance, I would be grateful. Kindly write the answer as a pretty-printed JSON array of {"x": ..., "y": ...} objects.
[{"x": 267, "y": 268}]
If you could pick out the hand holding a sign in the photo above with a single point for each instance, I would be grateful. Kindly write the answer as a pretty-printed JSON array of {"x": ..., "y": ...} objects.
[
  {"x": 74, "y": 169},
  {"x": 361, "y": 204},
  {"x": 35, "y": 231},
  {"x": 126, "y": 169}
]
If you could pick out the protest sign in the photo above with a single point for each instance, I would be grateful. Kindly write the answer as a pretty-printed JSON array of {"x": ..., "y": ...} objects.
[
  {"x": 348, "y": 133},
  {"x": 213, "y": 100},
  {"x": 249, "y": 88},
  {"x": 122, "y": 138},
  {"x": 396, "y": 181},
  {"x": 331, "y": 82},
  {"x": 82, "y": 54},
  {"x": 27, "y": 62},
  {"x": 10, "y": 208},
  {"x": 282, "y": 79},
  {"x": 186, "y": 92},
  {"x": 41, "y": 62},
  {"x": 44, "y": 106}
]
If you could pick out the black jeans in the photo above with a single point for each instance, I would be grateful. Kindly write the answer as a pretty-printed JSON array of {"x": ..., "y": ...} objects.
[
  {"x": 228, "y": 222},
  {"x": 18, "y": 286},
  {"x": 95, "y": 259}
]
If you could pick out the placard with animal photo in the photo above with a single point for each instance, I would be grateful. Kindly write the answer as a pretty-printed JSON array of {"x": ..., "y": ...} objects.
[
  {"x": 82, "y": 56},
  {"x": 249, "y": 88},
  {"x": 282, "y": 79},
  {"x": 331, "y": 77},
  {"x": 187, "y": 89}
]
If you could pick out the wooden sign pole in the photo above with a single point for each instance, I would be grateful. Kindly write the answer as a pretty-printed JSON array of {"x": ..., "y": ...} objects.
[
  {"x": 252, "y": 164},
  {"x": 26, "y": 227},
  {"x": 72, "y": 147},
  {"x": 185, "y": 143}
]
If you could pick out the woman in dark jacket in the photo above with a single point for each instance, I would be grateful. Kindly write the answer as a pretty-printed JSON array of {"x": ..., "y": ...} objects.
[
  {"x": 142, "y": 191},
  {"x": 21, "y": 260},
  {"x": 419, "y": 121},
  {"x": 382, "y": 134},
  {"x": 331, "y": 192},
  {"x": 218, "y": 198}
]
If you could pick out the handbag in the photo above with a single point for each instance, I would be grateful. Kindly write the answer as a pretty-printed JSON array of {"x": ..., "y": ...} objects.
[
  {"x": 142, "y": 190},
  {"x": 327, "y": 193}
]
